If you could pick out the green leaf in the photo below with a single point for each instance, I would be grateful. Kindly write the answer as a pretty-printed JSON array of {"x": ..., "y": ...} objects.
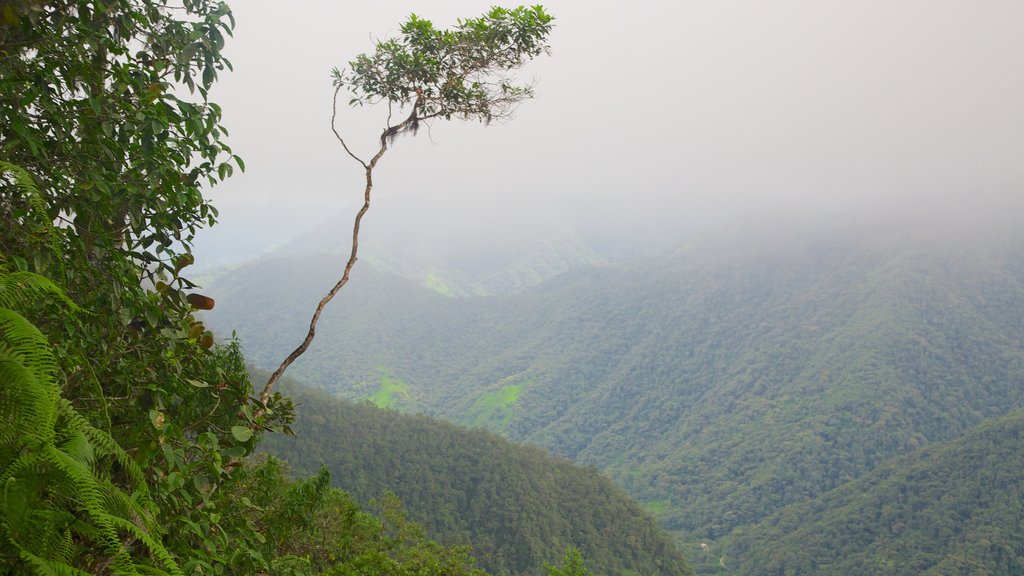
[
  {"x": 241, "y": 433},
  {"x": 200, "y": 482}
]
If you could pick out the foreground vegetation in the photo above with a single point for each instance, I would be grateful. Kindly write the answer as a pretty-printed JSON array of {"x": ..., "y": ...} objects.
[{"x": 126, "y": 432}]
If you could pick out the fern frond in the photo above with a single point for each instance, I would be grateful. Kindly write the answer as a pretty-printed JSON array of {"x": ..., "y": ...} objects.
[
  {"x": 54, "y": 495},
  {"x": 104, "y": 443},
  {"x": 27, "y": 406},
  {"x": 49, "y": 533},
  {"x": 88, "y": 495},
  {"x": 27, "y": 343},
  {"x": 22, "y": 179},
  {"x": 45, "y": 567},
  {"x": 78, "y": 447},
  {"x": 19, "y": 290},
  {"x": 26, "y": 185},
  {"x": 65, "y": 549},
  {"x": 32, "y": 462},
  {"x": 151, "y": 571},
  {"x": 155, "y": 548},
  {"x": 74, "y": 479}
]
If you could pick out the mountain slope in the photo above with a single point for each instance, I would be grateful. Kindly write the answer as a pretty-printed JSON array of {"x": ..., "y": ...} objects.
[
  {"x": 954, "y": 508},
  {"x": 517, "y": 506},
  {"x": 718, "y": 385}
]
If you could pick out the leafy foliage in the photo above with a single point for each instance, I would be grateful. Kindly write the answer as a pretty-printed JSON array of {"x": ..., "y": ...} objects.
[
  {"x": 572, "y": 565},
  {"x": 130, "y": 459},
  {"x": 462, "y": 72},
  {"x": 90, "y": 109},
  {"x": 310, "y": 528},
  {"x": 57, "y": 497}
]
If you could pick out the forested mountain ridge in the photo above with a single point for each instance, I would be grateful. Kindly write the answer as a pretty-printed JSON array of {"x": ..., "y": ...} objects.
[
  {"x": 717, "y": 385},
  {"x": 517, "y": 506},
  {"x": 946, "y": 509}
]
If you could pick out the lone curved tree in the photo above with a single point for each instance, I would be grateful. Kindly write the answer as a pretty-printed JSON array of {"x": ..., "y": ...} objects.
[{"x": 426, "y": 73}]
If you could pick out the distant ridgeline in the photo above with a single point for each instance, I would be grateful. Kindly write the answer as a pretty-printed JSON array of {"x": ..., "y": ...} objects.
[
  {"x": 717, "y": 385},
  {"x": 517, "y": 506},
  {"x": 513, "y": 247}
]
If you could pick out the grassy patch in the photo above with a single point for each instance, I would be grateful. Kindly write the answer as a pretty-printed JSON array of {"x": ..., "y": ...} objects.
[
  {"x": 655, "y": 506},
  {"x": 390, "y": 390},
  {"x": 438, "y": 285},
  {"x": 494, "y": 410}
]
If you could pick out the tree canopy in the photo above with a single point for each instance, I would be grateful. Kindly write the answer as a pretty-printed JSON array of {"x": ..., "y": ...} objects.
[{"x": 463, "y": 72}]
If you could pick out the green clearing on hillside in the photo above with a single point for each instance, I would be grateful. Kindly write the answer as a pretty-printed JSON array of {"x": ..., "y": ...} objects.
[
  {"x": 435, "y": 283},
  {"x": 494, "y": 410},
  {"x": 655, "y": 507},
  {"x": 390, "y": 390}
]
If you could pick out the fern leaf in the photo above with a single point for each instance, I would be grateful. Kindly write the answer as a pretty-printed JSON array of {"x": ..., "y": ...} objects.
[
  {"x": 155, "y": 547},
  {"x": 27, "y": 343},
  {"x": 46, "y": 567},
  {"x": 27, "y": 406},
  {"x": 19, "y": 290},
  {"x": 104, "y": 443}
]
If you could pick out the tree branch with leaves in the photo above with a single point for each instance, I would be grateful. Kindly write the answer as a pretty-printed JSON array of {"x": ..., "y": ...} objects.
[{"x": 466, "y": 73}]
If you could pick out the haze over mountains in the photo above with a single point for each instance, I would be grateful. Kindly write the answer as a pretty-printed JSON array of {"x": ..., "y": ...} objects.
[
  {"x": 720, "y": 382},
  {"x": 480, "y": 244}
]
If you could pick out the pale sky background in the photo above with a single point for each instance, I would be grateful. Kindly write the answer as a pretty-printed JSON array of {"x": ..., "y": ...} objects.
[{"x": 648, "y": 114}]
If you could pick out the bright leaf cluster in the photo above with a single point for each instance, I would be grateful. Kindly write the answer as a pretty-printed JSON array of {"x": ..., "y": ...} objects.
[{"x": 463, "y": 72}]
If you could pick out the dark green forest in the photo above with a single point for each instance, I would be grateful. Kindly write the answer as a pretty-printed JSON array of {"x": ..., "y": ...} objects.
[
  {"x": 517, "y": 506},
  {"x": 952, "y": 508}
]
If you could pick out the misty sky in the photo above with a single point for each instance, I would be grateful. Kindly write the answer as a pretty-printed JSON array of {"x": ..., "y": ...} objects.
[{"x": 648, "y": 114}]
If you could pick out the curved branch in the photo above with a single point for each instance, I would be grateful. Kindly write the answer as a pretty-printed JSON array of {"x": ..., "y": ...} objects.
[
  {"x": 353, "y": 256},
  {"x": 334, "y": 115},
  {"x": 481, "y": 59}
]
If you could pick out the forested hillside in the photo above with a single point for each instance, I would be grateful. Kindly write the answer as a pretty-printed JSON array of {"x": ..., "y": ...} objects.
[
  {"x": 517, "y": 506},
  {"x": 718, "y": 384},
  {"x": 944, "y": 510}
]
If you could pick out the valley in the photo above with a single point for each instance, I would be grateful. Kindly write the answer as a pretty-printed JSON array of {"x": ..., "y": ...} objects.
[{"x": 720, "y": 384}]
